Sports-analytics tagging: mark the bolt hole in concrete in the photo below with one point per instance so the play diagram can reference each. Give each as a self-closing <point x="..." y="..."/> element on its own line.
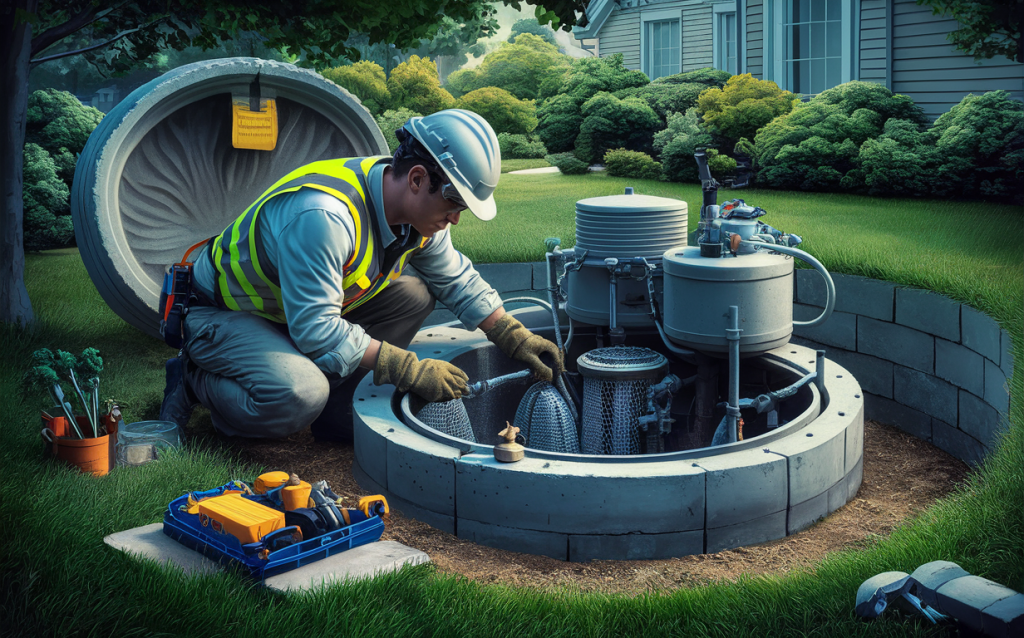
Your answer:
<point x="842" y="414"/>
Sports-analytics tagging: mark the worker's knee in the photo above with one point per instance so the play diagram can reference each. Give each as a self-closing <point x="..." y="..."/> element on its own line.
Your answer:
<point x="297" y="405"/>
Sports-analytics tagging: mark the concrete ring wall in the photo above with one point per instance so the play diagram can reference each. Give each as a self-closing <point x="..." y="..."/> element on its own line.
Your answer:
<point x="581" y="510"/>
<point x="931" y="366"/>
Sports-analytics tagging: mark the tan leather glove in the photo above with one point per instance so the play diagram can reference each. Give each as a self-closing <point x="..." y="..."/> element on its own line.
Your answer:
<point x="520" y="344"/>
<point x="432" y="379"/>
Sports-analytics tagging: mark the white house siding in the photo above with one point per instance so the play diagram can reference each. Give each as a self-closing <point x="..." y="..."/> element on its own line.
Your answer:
<point x="874" y="41"/>
<point x="930" y="70"/>
<point x="755" y="38"/>
<point x="621" y="34"/>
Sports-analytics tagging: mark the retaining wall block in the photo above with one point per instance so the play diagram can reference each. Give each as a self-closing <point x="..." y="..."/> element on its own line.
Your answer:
<point x="1006" y="357"/>
<point x="979" y="419"/>
<point x="997" y="392"/>
<point x="873" y="374"/>
<point x="838" y="494"/>
<point x="635" y="546"/>
<point x="540" y="275"/>
<point x="1004" y="619"/>
<point x="979" y="332"/>
<point x="422" y="471"/>
<point x="964" y="598"/>
<point x="854" y="294"/>
<point x="744" y="485"/>
<point x="899" y="344"/>
<point x="526" y="541"/>
<point x="933" y="575"/>
<point x="803" y="515"/>
<point x="817" y="456"/>
<point x="579" y="498"/>
<point x="758" y="530"/>
<point x="957" y="443"/>
<point x="840" y="330"/>
<point x="928" y="312"/>
<point x="854" y="479"/>
<point x="960" y="366"/>
<point x="507" y="277"/>
<point x="925" y="393"/>
<point x="914" y="423"/>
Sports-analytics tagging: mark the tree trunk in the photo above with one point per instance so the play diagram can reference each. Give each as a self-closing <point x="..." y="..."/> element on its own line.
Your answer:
<point x="14" y="68"/>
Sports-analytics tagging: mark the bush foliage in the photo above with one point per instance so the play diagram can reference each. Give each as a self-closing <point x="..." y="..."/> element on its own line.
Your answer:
<point x="558" y="123"/>
<point x="520" y="147"/>
<point x="530" y="25"/>
<point x="620" y="162"/>
<point x="609" y="122"/>
<point x="366" y="81"/>
<point x="742" y="106"/>
<point x="677" y="143"/>
<point x="666" y="98"/>
<point x="529" y="69"/>
<point x="589" y="76"/>
<point x="47" y="214"/>
<point x="414" y="85"/>
<point x="390" y="121"/>
<point x="56" y="119"/>
<point x="502" y="110"/>
<point x="567" y="163"/>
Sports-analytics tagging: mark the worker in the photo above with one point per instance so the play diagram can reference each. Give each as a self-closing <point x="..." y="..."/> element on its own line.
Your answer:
<point x="304" y="294"/>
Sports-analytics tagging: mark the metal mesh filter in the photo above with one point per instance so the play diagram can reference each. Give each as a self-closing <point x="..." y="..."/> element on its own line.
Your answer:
<point x="546" y="421"/>
<point x="615" y="383"/>
<point x="448" y="417"/>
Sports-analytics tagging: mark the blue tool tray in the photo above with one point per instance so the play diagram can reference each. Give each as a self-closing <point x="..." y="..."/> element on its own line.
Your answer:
<point x="226" y="549"/>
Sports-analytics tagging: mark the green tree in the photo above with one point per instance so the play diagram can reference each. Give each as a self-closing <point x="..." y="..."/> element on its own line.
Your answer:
<point x="743" y="106"/>
<point x="122" y="33"/>
<point x="531" y="26"/>
<point x="414" y="85"/>
<point x="366" y="81"/>
<point x="46" y="196"/>
<point x="502" y="110"/>
<point x="987" y="28"/>
<point x="61" y="125"/>
<point x="461" y="82"/>
<point x="521" y="68"/>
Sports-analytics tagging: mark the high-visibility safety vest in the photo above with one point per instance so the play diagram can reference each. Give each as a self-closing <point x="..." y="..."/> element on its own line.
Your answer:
<point x="246" y="280"/>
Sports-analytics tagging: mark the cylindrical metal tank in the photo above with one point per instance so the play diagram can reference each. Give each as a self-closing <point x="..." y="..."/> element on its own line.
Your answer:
<point x="160" y="173"/>
<point x="623" y="227"/>
<point x="699" y="290"/>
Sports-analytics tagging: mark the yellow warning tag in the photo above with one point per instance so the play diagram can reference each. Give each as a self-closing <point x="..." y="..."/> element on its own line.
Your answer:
<point x="251" y="129"/>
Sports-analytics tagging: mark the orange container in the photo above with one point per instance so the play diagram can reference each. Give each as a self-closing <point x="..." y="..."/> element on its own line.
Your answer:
<point x="268" y="481"/>
<point x="296" y="496"/>
<point x="246" y="520"/>
<point x="93" y="455"/>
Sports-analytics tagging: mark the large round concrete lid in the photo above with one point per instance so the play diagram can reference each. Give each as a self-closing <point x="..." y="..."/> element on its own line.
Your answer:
<point x="160" y="174"/>
<point x="629" y="203"/>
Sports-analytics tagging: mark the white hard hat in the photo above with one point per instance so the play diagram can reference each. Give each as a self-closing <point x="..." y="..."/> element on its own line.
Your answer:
<point x="465" y="147"/>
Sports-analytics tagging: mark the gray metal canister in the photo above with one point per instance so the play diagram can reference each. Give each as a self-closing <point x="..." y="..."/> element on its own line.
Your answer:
<point x="623" y="227"/>
<point x="699" y="290"/>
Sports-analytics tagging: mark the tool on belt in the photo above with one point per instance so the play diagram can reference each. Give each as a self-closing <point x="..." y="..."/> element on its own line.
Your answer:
<point x="175" y="297"/>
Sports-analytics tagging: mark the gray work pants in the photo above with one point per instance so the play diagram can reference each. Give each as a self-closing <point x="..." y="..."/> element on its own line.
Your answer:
<point x="256" y="383"/>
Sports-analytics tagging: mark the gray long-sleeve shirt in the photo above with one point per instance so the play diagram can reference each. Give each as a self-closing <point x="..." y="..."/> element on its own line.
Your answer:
<point x="309" y="235"/>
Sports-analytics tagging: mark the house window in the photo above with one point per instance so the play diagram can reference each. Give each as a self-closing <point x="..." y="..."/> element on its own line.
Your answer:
<point x="814" y="44"/>
<point x="661" y="43"/>
<point x="724" y="37"/>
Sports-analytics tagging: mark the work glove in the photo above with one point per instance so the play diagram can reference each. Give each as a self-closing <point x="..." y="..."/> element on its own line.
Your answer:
<point x="520" y="344"/>
<point x="432" y="379"/>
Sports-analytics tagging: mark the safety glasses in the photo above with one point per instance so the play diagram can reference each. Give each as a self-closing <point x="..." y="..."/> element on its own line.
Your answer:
<point x="449" y="192"/>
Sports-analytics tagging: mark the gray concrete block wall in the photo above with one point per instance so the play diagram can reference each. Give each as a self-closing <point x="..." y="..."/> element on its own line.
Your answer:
<point x="933" y="367"/>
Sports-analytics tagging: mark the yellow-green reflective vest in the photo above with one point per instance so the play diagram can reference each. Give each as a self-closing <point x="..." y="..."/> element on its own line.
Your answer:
<point x="246" y="280"/>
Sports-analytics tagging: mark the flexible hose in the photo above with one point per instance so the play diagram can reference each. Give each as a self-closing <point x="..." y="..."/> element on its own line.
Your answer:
<point x="830" y="287"/>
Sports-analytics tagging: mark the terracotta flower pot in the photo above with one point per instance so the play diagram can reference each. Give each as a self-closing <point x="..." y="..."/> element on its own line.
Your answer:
<point x="94" y="455"/>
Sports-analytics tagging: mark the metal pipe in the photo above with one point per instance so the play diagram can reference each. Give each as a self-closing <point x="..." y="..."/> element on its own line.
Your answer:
<point x="553" y="256"/>
<point x="733" y="335"/>
<point x="613" y="294"/>
<point x="819" y="375"/>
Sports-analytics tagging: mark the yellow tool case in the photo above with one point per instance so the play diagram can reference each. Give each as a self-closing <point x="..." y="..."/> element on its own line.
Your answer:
<point x="246" y="520"/>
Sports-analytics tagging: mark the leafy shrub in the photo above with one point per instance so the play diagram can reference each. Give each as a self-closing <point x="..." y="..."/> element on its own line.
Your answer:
<point x="981" y="143"/>
<point x="520" y="147"/>
<point x="366" y="81"/>
<point x="530" y="25"/>
<point x="589" y="76"/>
<point x="666" y="98"/>
<point x="522" y="68"/>
<point x="47" y="214"/>
<point x="558" y="123"/>
<point x="390" y="121"/>
<point x="622" y="163"/>
<point x="743" y="106"/>
<point x="502" y="110"/>
<point x="414" y="85"/>
<point x="609" y="122"/>
<point x="719" y="164"/>
<point x="902" y="161"/>
<point x="567" y="163"/>
<point x="815" y="146"/>
<point x="56" y="119"/>
<point x="677" y="144"/>
<point x="707" y="76"/>
<point x="461" y="82"/>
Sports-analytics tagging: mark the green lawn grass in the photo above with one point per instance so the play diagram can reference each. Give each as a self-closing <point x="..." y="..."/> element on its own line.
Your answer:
<point x="522" y="164"/>
<point x="57" y="577"/>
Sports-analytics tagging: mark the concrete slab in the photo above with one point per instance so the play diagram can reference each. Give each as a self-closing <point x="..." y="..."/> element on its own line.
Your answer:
<point x="150" y="542"/>
<point x="839" y="331"/>
<point x="359" y="563"/>
<point x="964" y="598"/>
<point x="1004" y="619"/>
<point x="854" y="479"/>
<point x="925" y="393"/>
<point x="410" y="510"/>
<point x="899" y="344"/>
<point x="928" y="312"/>
<point x="979" y="332"/>
<point x="907" y="419"/>
<point x="371" y="450"/>
<point x="803" y="515"/>
<point x="548" y="544"/>
<point x="365" y="561"/>
<point x="744" y="485"/>
<point x="635" y="546"/>
<point x="759" y="530"/>
<point x="997" y="392"/>
<point x="838" y="494"/>
<point x="933" y="575"/>
<point x="817" y="460"/>
<point x="421" y="471"/>
<point x="960" y="366"/>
